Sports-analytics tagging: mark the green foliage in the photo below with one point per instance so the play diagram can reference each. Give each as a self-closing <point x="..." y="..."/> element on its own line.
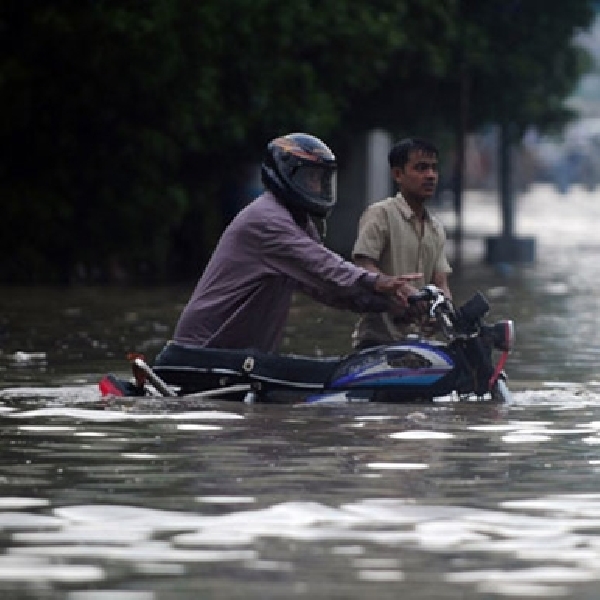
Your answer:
<point x="514" y="60"/>
<point x="125" y="121"/>
<point x="526" y="64"/>
<point x="92" y="177"/>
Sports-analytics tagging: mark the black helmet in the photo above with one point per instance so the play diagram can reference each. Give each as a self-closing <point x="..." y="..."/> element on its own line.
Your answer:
<point x="300" y="170"/>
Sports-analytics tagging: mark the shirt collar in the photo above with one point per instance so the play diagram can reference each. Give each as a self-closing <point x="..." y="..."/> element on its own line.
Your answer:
<point x="407" y="212"/>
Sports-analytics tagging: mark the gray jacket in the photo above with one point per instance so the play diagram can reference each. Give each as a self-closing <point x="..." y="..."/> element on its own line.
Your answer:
<point x="243" y="298"/>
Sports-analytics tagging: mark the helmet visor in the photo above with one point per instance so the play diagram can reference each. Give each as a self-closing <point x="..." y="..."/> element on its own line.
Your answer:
<point x="316" y="181"/>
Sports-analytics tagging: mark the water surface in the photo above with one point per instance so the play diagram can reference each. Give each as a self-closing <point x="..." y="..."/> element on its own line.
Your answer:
<point x="152" y="499"/>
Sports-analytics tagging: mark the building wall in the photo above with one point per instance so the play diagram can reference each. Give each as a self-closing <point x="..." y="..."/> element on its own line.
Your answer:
<point x="365" y="178"/>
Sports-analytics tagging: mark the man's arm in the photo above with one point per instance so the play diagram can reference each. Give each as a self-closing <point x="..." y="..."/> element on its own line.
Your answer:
<point x="407" y="289"/>
<point x="366" y="263"/>
<point x="374" y="292"/>
<point x="440" y="279"/>
<point x="289" y="250"/>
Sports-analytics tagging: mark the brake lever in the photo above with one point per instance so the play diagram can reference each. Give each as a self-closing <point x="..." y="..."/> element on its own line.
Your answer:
<point x="434" y="305"/>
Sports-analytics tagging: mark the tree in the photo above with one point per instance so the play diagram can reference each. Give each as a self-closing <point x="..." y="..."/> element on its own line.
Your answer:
<point x="126" y="120"/>
<point x="121" y="117"/>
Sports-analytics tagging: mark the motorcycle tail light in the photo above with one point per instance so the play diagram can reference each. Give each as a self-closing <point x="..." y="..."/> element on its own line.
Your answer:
<point x="503" y="335"/>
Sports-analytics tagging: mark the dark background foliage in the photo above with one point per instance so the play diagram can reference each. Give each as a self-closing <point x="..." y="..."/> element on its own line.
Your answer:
<point x="127" y="124"/>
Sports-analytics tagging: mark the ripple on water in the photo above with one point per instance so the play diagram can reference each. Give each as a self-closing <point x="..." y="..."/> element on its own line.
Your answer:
<point x="559" y="531"/>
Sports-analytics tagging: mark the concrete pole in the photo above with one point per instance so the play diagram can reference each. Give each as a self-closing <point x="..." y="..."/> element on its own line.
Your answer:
<point x="507" y="249"/>
<point x="507" y="204"/>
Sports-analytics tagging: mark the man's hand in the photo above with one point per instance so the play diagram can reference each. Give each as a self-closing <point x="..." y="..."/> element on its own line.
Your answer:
<point x="399" y="287"/>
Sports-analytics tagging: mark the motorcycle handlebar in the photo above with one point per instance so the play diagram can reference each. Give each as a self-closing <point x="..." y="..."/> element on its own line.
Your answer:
<point x="436" y="299"/>
<point x="465" y="319"/>
<point x="428" y="293"/>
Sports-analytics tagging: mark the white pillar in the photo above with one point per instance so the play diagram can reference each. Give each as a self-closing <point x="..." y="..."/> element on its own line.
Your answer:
<point x="378" y="178"/>
<point x="364" y="179"/>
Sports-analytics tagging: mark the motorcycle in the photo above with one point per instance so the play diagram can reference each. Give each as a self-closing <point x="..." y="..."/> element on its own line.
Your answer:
<point x="411" y="370"/>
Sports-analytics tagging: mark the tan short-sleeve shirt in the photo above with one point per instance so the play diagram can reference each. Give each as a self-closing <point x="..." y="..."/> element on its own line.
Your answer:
<point x="390" y="236"/>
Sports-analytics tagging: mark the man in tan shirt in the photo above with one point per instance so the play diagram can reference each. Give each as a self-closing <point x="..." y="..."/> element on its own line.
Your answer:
<point x="399" y="235"/>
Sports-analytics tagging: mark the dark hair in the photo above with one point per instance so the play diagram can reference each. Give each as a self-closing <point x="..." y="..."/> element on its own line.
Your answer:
<point x="400" y="153"/>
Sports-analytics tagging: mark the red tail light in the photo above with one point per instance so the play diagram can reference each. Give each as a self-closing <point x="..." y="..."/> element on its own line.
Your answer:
<point x="109" y="386"/>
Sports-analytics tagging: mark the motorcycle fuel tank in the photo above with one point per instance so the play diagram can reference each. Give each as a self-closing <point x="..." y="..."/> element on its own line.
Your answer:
<point x="411" y="363"/>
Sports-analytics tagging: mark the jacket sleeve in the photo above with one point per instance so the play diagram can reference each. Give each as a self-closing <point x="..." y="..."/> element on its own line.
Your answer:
<point x="289" y="250"/>
<point x="360" y="297"/>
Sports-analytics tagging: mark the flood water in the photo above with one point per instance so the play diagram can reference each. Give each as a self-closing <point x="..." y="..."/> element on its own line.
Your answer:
<point x="151" y="499"/>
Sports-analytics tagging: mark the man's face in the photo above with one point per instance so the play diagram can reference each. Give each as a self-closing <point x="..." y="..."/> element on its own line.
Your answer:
<point x="314" y="176"/>
<point x="418" y="178"/>
<point x="309" y="178"/>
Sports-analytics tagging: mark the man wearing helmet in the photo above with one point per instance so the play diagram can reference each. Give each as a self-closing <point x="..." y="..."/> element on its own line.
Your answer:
<point x="272" y="249"/>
